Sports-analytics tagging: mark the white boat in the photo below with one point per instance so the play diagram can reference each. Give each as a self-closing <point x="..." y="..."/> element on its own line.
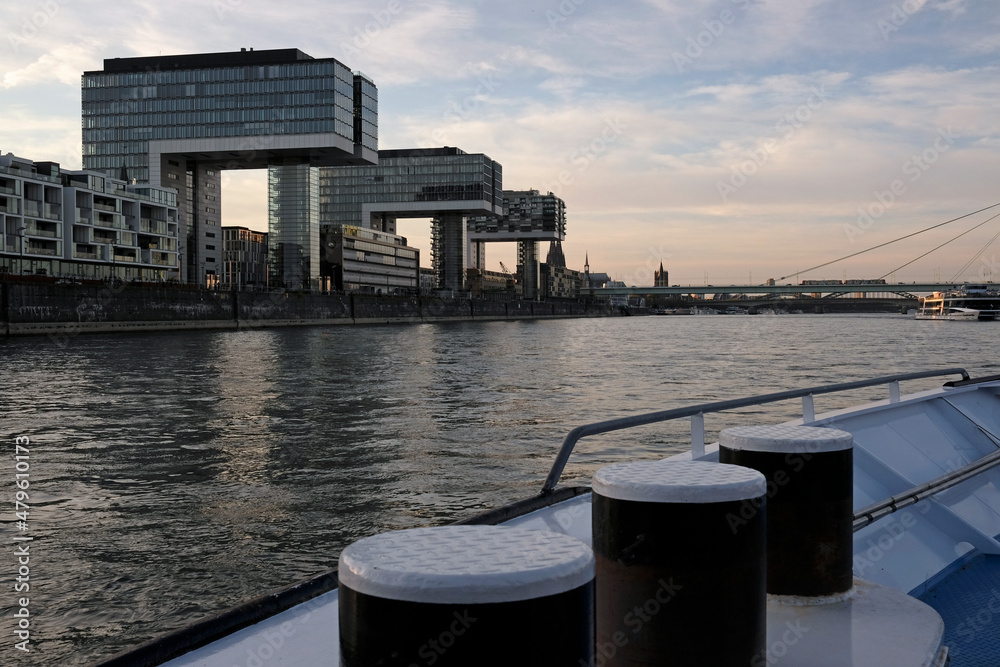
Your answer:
<point x="971" y="302"/>
<point x="926" y="499"/>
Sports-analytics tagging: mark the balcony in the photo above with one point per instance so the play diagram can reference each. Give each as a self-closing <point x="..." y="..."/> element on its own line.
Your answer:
<point x="152" y="226"/>
<point x="51" y="252"/>
<point x="105" y="207"/>
<point x="84" y="255"/>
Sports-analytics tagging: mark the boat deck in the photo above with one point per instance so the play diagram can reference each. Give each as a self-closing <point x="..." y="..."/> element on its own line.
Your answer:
<point x="940" y="550"/>
<point x="973" y="637"/>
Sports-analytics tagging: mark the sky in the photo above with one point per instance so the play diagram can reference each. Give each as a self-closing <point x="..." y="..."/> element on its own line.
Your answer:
<point x="731" y="140"/>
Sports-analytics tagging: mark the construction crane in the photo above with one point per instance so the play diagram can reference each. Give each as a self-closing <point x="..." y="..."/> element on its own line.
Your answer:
<point x="510" y="276"/>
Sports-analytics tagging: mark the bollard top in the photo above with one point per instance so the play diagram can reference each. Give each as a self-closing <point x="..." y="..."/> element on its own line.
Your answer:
<point x="786" y="439"/>
<point x="678" y="482"/>
<point x="466" y="564"/>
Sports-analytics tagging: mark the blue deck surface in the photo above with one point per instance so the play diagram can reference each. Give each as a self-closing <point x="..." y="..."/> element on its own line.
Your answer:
<point x="969" y="602"/>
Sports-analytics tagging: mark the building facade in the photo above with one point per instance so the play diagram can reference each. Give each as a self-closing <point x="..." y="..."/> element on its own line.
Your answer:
<point x="445" y="184"/>
<point x="179" y="121"/>
<point x="83" y="224"/>
<point x="374" y="262"/>
<point x="244" y="258"/>
<point x="558" y="282"/>
<point x="528" y="217"/>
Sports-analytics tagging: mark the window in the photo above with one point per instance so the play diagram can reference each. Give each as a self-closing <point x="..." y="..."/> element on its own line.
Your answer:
<point x="210" y="235"/>
<point x="209" y="172"/>
<point x="209" y="259"/>
<point x="172" y="176"/>
<point x="209" y="209"/>
<point x="210" y="197"/>
<point x="210" y="247"/>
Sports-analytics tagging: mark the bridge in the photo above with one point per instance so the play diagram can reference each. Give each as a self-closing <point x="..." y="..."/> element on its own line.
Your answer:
<point x="824" y="290"/>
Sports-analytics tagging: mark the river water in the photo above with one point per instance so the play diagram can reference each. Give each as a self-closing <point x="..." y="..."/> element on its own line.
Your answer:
<point x="173" y="475"/>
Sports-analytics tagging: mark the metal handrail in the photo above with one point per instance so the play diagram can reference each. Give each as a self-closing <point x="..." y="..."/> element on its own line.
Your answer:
<point x="869" y="515"/>
<point x="693" y="411"/>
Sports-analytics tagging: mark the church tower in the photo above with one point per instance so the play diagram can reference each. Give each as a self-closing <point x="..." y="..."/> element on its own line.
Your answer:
<point x="661" y="278"/>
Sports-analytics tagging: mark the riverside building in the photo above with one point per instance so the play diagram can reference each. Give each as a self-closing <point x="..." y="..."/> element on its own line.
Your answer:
<point x="445" y="184"/>
<point x="179" y="121"/>
<point x="244" y="258"/>
<point x="84" y="224"/>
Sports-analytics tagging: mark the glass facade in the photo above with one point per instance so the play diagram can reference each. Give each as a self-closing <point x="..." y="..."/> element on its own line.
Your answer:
<point x="293" y="226"/>
<point x="244" y="258"/>
<point x="136" y="100"/>
<point x="401" y="176"/>
<point x="178" y="121"/>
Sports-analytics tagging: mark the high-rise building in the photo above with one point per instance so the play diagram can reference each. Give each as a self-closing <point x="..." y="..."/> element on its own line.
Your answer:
<point x="445" y="184"/>
<point x="528" y="217"/>
<point x="179" y="121"/>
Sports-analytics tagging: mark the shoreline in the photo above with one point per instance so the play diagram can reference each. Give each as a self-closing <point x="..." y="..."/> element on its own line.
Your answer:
<point x="61" y="310"/>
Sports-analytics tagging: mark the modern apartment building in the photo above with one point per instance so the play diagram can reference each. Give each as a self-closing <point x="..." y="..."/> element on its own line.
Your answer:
<point x="179" y="121"/>
<point x="83" y="224"/>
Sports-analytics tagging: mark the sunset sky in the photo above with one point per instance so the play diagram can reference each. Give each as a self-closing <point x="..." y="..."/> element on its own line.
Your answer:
<point x="733" y="140"/>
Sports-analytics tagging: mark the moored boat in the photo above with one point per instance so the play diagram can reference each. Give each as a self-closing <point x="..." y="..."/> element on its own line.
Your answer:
<point x="972" y="302"/>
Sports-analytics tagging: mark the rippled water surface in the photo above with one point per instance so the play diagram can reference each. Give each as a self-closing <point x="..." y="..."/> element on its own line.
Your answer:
<point x="174" y="475"/>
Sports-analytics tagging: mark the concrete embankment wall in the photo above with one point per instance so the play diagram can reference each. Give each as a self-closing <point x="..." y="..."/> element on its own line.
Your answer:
<point x="66" y="309"/>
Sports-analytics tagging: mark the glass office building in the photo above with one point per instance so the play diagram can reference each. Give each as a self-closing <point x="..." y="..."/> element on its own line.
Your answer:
<point x="445" y="184"/>
<point x="179" y="121"/>
<point x="293" y="215"/>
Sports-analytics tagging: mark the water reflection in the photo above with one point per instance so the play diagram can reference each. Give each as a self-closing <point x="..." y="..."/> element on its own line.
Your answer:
<point x="180" y="473"/>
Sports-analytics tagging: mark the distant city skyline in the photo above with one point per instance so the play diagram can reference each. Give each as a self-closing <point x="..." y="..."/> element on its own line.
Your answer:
<point x="732" y="140"/>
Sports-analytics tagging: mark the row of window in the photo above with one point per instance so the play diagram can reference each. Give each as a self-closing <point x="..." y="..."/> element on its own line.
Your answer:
<point x="214" y="131"/>
<point x="327" y="87"/>
<point x="302" y="69"/>
<point x="279" y="112"/>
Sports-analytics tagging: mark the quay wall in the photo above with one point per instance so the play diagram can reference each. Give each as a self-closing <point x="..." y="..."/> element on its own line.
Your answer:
<point x="33" y="308"/>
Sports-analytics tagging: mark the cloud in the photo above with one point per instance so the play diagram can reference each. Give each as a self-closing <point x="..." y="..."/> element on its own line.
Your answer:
<point x="64" y="64"/>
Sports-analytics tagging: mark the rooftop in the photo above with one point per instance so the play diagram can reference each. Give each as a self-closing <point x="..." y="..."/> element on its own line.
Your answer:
<point x="203" y="60"/>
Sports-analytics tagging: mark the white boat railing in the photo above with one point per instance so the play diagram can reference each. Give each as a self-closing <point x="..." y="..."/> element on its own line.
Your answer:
<point x="697" y="414"/>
